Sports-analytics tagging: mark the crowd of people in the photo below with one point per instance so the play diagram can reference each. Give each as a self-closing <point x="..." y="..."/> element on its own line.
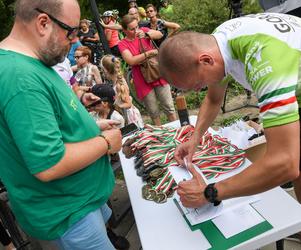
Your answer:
<point x="132" y="39"/>
<point x="61" y="108"/>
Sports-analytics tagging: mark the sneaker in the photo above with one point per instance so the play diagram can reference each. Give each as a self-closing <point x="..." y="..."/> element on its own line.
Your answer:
<point x="294" y="237"/>
<point x="287" y="186"/>
<point x="119" y="242"/>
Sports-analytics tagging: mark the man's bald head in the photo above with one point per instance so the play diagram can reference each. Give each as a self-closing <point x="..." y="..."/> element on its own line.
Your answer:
<point x="25" y="9"/>
<point x="179" y="53"/>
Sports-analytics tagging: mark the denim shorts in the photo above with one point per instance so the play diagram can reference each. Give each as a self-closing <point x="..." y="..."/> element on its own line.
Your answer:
<point x="89" y="233"/>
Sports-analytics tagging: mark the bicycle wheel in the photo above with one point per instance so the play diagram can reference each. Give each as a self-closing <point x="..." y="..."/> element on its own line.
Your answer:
<point x="130" y="82"/>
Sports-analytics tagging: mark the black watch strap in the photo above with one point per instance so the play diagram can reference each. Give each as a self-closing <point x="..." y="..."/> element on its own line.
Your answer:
<point x="211" y="194"/>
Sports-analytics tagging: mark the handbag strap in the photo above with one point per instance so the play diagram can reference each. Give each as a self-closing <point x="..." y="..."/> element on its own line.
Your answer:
<point x="142" y="49"/>
<point x="153" y="42"/>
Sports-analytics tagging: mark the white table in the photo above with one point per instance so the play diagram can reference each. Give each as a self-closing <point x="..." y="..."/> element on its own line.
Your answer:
<point x="162" y="227"/>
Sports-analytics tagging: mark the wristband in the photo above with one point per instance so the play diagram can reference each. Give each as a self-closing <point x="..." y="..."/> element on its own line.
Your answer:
<point x="107" y="141"/>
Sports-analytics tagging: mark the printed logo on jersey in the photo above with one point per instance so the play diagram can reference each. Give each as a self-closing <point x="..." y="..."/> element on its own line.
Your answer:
<point x="233" y="26"/>
<point x="256" y="67"/>
<point x="281" y="24"/>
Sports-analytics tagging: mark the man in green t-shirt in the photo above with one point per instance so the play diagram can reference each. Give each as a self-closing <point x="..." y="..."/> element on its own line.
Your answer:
<point x="54" y="160"/>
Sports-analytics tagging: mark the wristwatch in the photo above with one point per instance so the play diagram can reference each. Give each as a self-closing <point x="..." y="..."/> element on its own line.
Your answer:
<point x="210" y="194"/>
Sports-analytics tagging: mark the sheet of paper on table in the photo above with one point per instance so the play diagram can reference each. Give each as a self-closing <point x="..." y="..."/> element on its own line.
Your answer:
<point x="237" y="220"/>
<point x="238" y="134"/>
<point x="207" y="212"/>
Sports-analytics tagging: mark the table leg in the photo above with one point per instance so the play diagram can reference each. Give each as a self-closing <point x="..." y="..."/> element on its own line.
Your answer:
<point x="280" y="244"/>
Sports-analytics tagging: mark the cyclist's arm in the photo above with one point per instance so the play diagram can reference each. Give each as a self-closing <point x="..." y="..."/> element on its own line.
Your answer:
<point x="210" y="108"/>
<point x="111" y="26"/>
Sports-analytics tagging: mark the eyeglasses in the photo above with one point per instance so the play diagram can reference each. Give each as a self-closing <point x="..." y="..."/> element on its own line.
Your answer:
<point x="133" y="29"/>
<point x="72" y="31"/>
<point x="77" y="57"/>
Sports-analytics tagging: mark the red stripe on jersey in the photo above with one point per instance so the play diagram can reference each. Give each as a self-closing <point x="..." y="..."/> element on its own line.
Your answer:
<point x="278" y="104"/>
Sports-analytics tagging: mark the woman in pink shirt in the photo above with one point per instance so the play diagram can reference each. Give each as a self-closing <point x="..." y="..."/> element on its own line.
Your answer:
<point x="149" y="93"/>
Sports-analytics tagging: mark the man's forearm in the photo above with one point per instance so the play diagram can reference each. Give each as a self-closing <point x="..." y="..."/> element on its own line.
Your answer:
<point x="77" y="156"/>
<point x="207" y="113"/>
<point x="280" y="164"/>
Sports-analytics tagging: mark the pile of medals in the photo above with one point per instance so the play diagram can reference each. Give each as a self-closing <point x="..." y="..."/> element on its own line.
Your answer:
<point x="154" y="147"/>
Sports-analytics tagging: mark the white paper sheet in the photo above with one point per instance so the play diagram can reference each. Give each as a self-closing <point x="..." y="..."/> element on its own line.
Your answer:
<point x="237" y="220"/>
<point x="209" y="211"/>
<point x="238" y="133"/>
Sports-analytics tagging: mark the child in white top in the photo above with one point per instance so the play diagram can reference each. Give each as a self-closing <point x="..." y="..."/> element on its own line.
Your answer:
<point x="111" y="67"/>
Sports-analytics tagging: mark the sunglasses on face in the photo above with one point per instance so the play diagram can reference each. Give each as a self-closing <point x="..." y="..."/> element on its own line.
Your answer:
<point x="72" y="31"/>
<point x="77" y="57"/>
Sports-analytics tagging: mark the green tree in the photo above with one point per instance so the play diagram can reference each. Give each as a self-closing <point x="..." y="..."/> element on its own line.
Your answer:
<point x="197" y="15"/>
<point x="205" y="15"/>
<point x="6" y="17"/>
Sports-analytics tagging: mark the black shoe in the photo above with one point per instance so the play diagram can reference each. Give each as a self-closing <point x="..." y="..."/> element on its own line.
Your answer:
<point x="287" y="186"/>
<point x="119" y="242"/>
<point x="293" y="237"/>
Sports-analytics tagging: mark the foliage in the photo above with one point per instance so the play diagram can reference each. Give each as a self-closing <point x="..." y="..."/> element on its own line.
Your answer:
<point x="195" y="99"/>
<point x="6" y="17"/>
<point x="230" y="120"/>
<point x="205" y="15"/>
<point x="197" y="15"/>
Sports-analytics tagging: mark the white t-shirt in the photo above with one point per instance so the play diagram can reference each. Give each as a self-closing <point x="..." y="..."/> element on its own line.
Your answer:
<point x="64" y="70"/>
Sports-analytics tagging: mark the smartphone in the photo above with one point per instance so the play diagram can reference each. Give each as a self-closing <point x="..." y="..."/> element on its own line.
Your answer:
<point x="128" y="129"/>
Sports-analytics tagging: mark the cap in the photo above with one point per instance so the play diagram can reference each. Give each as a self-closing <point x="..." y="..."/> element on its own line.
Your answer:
<point x="131" y="1"/>
<point x="108" y="13"/>
<point x="104" y="91"/>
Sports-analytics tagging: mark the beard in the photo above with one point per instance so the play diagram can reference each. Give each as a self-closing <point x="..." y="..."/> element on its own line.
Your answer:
<point x="53" y="53"/>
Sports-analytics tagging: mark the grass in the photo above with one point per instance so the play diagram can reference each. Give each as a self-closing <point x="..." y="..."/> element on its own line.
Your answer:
<point x="230" y="120"/>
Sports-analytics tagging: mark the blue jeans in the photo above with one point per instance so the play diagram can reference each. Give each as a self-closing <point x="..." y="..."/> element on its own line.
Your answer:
<point x="89" y="233"/>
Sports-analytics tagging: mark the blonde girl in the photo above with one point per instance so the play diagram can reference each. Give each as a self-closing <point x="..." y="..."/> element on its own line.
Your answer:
<point x="111" y="66"/>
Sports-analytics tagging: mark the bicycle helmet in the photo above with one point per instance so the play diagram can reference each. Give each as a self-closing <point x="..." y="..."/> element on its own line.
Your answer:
<point x="108" y="13"/>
